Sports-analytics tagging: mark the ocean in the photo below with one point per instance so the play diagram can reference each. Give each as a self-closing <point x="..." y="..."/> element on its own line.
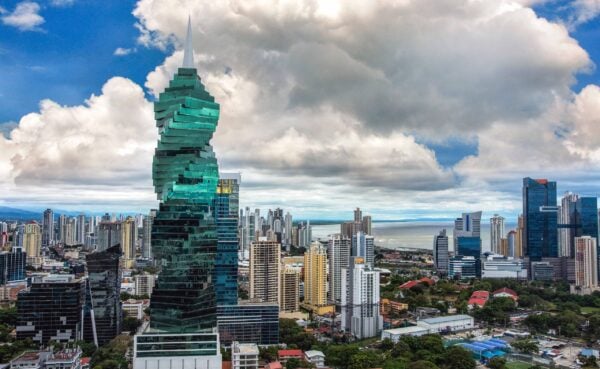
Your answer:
<point x="414" y="235"/>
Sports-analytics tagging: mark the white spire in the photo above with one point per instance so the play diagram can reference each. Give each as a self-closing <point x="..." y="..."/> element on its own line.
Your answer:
<point x="188" y="52"/>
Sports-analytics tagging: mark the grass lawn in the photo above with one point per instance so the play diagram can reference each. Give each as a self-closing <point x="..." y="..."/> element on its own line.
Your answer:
<point x="590" y="310"/>
<point x="517" y="365"/>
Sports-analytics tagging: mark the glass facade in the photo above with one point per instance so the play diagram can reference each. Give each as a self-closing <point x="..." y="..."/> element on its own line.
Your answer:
<point x="249" y="323"/>
<point x="103" y="296"/>
<point x="470" y="246"/>
<point x="50" y="311"/>
<point x="586" y="220"/>
<point x="226" y="264"/>
<point x="184" y="232"/>
<point x="540" y="237"/>
<point x="183" y="344"/>
<point x="463" y="267"/>
<point x="12" y="266"/>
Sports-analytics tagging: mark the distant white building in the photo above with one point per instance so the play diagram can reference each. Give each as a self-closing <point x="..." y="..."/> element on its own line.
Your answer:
<point x="244" y="355"/>
<point x="360" y="300"/>
<point x="499" y="266"/>
<point x="396" y="333"/>
<point x="449" y="323"/>
<point x="317" y="358"/>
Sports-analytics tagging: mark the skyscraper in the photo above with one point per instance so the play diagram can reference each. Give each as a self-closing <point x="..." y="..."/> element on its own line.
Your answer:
<point x="104" y="296"/>
<point x="367" y="224"/>
<point x="109" y="234"/>
<point x="147" y="234"/>
<point x="48" y="228"/>
<point x="287" y="238"/>
<point x="183" y="306"/>
<point x="32" y="241"/>
<point x="315" y="276"/>
<point x="357" y="215"/>
<point x="540" y="233"/>
<point x="360" y="300"/>
<point x="265" y="270"/>
<point x="290" y="294"/>
<point x="467" y="237"/>
<point x="566" y="224"/>
<point x="226" y="264"/>
<point x="586" y="262"/>
<point x="440" y="253"/>
<point x="80" y="230"/>
<point x="496" y="233"/>
<point x="338" y="249"/>
<point x="364" y="245"/>
<point x="128" y="242"/>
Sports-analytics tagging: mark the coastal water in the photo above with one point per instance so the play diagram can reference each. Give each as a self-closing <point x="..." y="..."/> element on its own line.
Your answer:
<point x="412" y="235"/>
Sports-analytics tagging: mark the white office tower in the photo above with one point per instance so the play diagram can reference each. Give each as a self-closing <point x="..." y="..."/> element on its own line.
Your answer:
<point x="566" y="234"/>
<point x="469" y="225"/>
<point x="496" y="233"/>
<point x="500" y="266"/>
<point x="440" y="253"/>
<point x="586" y="263"/>
<point x="360" y="300"/>
<point x="80" y="229"/>
<point x="338" y="254"/>
<point x="364" y="245"/>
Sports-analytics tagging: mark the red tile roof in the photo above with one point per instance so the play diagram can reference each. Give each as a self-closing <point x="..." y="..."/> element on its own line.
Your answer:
<point x="479" y="298"/>
<point x="274" y="365"/>
<point x="286" y="353"/>
<point x="85" y="360"/>
<point x="226" y="365"/>
<point x="408" y="285"/>
<point x="507" y="291"/>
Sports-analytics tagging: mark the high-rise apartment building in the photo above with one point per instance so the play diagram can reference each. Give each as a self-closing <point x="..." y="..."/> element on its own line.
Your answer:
<point x="287" y="234"/>
<point x="32" y="239"/>
<point x="80" y="229"/>
<point x="62" y="227"/>
<point x="104" y="296"/>
<point x="315" y="276"/>
<point x="12" y="265"/>
<point x="48" y="237"/>
<point x="129" y="237"/>
<point x="360" y="300"/>
<point x="364" y="245"/>
<point x="290" y="291"/>
<point x="357" y="215"/>
<point x="338" y="250"/>
<point x="440" y="253"/>
<point x="265" y="270"/>
<point x="367" y="225"/>
<point x="540" y="233"/>
<point x="109" y="235"/>
<point x="147" y="234"/>
<point x="566" y="225"/>
<point x="586" y="262"/>
<point x="144" y="283"/>
<point x="226" y="262"/>
<point x="496" y="233"/>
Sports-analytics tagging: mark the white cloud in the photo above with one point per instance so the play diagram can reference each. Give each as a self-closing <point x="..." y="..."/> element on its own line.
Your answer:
<point x="25" y="17"/>
<point x="100" y="151"/>
<point x="326" y="107"/>
<point x="62" y="2"/>
<point x="584" y="11"/>
<point x="120" y="51"/>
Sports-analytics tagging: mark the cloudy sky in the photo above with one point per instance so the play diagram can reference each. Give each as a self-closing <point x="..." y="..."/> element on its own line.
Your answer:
<point x="406" y="108"/>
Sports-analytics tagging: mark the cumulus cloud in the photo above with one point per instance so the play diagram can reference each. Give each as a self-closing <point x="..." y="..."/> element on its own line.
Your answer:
<point x="120" y="51"/>
<point x="106" y="144"/>
<point x="326" y="105"/>
<point x="25" y="16"/>
<point x="584" y="11"/>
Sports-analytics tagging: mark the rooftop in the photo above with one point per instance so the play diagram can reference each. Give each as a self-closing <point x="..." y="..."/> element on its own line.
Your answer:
<point x="246" y="348"/>
<point x="289" y="353"/>
<point x="313" y="353"/>
<point x="406" y="330"/>
<point x="447" y="318"/>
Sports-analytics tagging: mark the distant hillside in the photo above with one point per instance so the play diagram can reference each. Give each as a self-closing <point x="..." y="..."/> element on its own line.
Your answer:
<point x="7" y="213"/>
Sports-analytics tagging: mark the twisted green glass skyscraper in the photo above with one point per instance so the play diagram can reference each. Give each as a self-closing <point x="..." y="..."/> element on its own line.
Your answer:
<point x="185" y="176"/>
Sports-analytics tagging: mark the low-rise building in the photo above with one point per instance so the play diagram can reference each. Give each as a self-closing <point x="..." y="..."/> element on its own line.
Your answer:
<point x="30" y="360"/>
<point x="316" y="358"/>
<point x="505" y="292"/>
<point x="285" y="355"/>
<point x="449" y="323"/>
<point x="64" y="359"/>
<point x="479" y="299"/>
<point x="396" y="333"/>
<point x="499" y="266"/>
<point x="244" y="355"/>
<point x="135" y="308"/>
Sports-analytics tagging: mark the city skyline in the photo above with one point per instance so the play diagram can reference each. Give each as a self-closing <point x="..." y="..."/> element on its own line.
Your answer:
<point x="397" y="149"/>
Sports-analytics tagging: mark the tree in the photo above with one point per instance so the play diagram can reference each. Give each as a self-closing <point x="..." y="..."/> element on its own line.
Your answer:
<point x="386" y="345"/>
<point x="365" y="359"/>
<point x="422" y="364"/>
<point x="525" y="346"/>
<point x="339" y="356"/>
<point x="131" y="324"/>
<point x="8" y="316"/>
<point x="497" y="363"/>
<point x="457" y="357"/>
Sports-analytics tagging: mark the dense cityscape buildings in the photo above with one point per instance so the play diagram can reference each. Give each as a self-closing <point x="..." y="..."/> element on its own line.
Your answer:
<point x="203" y="282"/>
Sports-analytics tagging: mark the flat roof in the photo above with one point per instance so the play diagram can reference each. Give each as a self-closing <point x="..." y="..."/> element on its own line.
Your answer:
<point x="246" y="348"/>
<point x="405" y="330"/>
<point x="448" y="318"/>
<point x="311" y="353"/>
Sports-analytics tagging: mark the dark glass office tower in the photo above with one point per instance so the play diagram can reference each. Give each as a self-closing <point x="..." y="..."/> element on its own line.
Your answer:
<point x="51" y="310"/>
<point x="104" y="292"/>
<point x="226" y="263"/>
<point x="540" y="235"/>
<point x="184" y="232"/>
<point x="586" y="220"/>
<point x="470" y="246"/>
<point x="12" y="265"/>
